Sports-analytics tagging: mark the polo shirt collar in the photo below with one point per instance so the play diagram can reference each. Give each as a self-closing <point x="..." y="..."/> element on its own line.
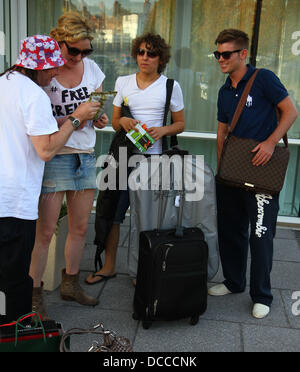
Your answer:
<point x="246" y="77"/>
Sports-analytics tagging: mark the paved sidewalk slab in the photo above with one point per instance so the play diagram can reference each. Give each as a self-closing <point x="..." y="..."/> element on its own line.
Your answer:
<point x="270" y="339"/>
<point x="227" y="325"/>
<point x="82" y="317"/>
<point x="286" y="250"/>
<point x="180" y="336"/>
<point x="290" y="307"/>
<point x="238" y="308"/>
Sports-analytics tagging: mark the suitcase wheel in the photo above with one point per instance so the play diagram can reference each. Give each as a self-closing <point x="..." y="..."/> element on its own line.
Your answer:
<point x="146" y="324"/>
<point x="135" y="316"/>
<point x="194" y="320"/>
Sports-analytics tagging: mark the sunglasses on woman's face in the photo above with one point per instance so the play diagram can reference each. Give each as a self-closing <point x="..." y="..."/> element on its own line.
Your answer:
<point x="150" y="53"/>
<point x="225" y="55"/>
<point x="75" y="51"/>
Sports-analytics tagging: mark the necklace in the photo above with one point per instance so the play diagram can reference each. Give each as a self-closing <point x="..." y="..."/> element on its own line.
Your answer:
<point x="143" y="84"/>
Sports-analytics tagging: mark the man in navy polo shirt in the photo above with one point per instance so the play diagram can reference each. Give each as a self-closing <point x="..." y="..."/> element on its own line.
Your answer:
<point x="237" y="207"/>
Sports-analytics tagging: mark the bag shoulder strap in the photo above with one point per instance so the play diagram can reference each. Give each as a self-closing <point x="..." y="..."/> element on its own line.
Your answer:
<point x="169" y="85"/>
<point x="174" y="142"/>
<point x="242" y="103"/>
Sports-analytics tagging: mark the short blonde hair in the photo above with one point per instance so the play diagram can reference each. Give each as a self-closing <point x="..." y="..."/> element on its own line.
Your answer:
<point x="72" y="27"/>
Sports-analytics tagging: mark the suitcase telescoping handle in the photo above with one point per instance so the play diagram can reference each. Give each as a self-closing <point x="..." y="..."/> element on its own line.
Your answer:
<point x="181" y="194"/>
<point x="179" y="227"/>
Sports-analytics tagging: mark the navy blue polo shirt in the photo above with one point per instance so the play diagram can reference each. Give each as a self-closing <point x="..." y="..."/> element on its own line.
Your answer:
<point x="258" y="119"/>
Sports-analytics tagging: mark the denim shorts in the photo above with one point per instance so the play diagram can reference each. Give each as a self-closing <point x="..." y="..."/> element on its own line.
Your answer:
<point x="72" y="172"/>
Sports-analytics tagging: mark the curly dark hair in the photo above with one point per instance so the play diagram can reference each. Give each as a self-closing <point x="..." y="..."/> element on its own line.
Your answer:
<point x="154" y="43"/>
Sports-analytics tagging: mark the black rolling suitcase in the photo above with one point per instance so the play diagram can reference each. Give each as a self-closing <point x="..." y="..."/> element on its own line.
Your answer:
<point x="172" y="273"/>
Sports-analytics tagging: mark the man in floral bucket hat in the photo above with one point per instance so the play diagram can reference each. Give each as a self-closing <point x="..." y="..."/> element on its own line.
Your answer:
<point x="40" y="53"/>
<point x="29" y="137"/>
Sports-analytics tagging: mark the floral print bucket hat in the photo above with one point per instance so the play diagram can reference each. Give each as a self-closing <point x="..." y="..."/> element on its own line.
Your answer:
<point x="40" y="52"/>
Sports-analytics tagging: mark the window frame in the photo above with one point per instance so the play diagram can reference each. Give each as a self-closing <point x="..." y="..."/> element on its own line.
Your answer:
<point x="18" y="30"/>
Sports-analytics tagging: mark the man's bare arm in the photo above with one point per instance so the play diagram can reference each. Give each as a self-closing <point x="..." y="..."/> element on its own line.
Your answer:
<point x="48" y="145"/>
<point x="266" y="148"/>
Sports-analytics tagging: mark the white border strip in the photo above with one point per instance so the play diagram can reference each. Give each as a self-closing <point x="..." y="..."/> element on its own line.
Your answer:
<point x="198" y="135"/>
<point x="289" y="222"/>
<point x="282" y="221"/>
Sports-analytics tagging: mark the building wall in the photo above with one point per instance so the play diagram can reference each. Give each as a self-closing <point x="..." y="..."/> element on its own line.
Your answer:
<point x="190" y="26"/>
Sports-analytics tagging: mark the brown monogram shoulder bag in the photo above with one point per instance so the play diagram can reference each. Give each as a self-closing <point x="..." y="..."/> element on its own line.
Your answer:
<point x="236" y="167"/>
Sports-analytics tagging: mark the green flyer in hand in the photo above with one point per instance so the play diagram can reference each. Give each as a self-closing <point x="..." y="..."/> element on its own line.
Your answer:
<point x="105" y="98"/>
<point x="141" y="138"/>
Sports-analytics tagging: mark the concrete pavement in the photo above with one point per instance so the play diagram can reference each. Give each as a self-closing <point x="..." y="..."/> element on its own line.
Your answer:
<point x="227" y="325"/>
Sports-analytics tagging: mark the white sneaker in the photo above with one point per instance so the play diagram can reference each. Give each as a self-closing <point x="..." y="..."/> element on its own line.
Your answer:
<point x="260" y="311"/>
<point x="219" y="290"/>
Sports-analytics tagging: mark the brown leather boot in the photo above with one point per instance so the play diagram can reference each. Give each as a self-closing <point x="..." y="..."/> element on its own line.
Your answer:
<point x="38" y="302"/>
<point x="70" y="290"/>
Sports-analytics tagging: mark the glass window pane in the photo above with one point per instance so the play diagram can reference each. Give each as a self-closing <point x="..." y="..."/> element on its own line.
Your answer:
<point x="198" y="23"/>
<point x="43" y="15"/>
<point x="279" y="51"/>
<point x="191" y="27"/>
<point x="4" y="35"/>
<point x="279" y="47"/>
<point x="116" y="24"/>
